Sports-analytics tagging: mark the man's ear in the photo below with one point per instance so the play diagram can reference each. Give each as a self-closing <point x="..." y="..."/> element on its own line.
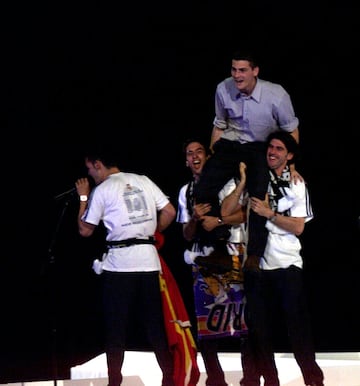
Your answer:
<point x="97" y="164"/>
<point x="187" y="163"/>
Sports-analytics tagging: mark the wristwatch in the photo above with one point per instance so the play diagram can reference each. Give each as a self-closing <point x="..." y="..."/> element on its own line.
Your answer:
<point x="83" y="197"/>
<point x="220" y="220"/>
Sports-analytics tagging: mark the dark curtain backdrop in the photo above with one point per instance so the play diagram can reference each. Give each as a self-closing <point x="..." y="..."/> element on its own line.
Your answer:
<point x="144" y="75"/>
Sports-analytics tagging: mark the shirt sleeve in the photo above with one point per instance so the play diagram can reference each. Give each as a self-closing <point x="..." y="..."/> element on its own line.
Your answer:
<point x="95" y="209"/>
<point x="183" y="215"/>
<point x="286" y="114"/>
<point x="220" y="120"/>
<point x="302" y="205"/>
<point x="159" y="196"/>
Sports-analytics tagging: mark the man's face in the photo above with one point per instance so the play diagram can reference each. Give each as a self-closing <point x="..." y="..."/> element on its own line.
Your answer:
<point x="94" y="171"/>
<point x="277" y="155"/>
<point x="244" y="75"/>
<point x="195" y="157"/>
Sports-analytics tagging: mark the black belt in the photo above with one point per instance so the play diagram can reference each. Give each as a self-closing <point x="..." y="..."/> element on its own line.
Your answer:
<point x="129" y="242"/>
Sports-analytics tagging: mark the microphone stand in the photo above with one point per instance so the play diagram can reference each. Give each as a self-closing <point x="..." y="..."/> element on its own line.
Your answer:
<point x="52" y="270"/>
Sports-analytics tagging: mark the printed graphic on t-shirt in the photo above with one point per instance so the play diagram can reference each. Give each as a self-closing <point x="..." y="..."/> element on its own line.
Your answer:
<point x="136" y="205"/>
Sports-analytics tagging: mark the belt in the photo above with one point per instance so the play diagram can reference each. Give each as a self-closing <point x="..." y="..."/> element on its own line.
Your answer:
<point x="129" y="242"/>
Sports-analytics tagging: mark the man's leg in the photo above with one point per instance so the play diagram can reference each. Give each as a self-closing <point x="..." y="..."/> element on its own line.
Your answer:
<point x="259" y="342"/>
<point x="299" y="325"/>
<point x="257" y="181"/>
<point x="218" y="170"/>
<point x="116" y="313"/>
<point x="214" y="371"/>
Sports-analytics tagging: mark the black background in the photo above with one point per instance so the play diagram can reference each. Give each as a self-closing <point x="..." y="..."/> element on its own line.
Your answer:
<point x="145" y="75"/>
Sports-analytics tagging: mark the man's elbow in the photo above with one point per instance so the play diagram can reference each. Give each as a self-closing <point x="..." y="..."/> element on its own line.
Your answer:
<point x="85" y="231"/>
<point x="170" y="212"/>
<point x="299" y="229"/>
<point x="173" y="213"/>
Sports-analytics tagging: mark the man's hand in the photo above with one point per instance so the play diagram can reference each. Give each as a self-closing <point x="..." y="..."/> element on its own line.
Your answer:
<point x="260" y="207"/>
<point x="199" y="210"/>
<point x="295" y="175"/>
<point x="82" y="186"/>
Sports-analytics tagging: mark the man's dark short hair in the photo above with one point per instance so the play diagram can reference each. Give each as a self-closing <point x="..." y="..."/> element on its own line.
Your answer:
<point x="246" y="55"/>
<point x="191" y="140"/>
<point x="106" y="152"/>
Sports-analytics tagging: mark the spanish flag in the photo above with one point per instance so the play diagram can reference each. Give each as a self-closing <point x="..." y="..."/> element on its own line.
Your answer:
<point x="177" y="324"/>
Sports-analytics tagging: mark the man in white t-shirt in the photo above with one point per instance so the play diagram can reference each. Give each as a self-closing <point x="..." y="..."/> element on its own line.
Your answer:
<point x="132" y="208"/>
<point x="218" y="292"/>
<point x="279" y="281"/>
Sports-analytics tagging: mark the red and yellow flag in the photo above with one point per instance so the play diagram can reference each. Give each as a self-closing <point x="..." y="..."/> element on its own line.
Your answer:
<point x="177" y="324"/>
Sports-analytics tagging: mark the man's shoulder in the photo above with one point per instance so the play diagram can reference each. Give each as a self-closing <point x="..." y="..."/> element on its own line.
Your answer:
<point x="298" y="189"/>
<point x="136" y="178"/>
<point x="226" y="83"/>
<point x="132" y="175"/>
<point x="298" y="185"/>
<point x="183" y="189"/>
<point x="271" y="87"/>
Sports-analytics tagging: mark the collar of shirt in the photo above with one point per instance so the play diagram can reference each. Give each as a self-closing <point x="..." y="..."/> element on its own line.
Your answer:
<point x="255" y="95"/>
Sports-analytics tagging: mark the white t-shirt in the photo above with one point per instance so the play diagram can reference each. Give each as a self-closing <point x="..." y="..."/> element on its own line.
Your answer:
<point x="283" y="248"/>
<point x="237" y="233"/>
<point x="127" y="203"/>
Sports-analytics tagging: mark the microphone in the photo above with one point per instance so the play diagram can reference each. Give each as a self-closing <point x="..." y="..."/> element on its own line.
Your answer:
<point x="67" y="193"/>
